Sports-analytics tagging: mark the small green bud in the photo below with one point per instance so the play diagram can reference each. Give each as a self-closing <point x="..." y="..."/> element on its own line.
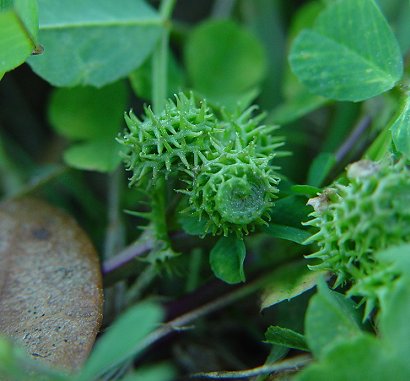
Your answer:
<point x="161" y="144"/>
<point x="233" y="193"/>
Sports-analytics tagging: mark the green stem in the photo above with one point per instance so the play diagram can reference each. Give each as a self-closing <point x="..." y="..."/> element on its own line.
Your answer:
<point x="166" y="8"/>
<point x="292" y="364"/>
<point x="383" y="143"/>
<point x="114" y="241"/>
<point x="141" y="283"/>
<point x="160" y="59"/>
<point x="380" y="146"/>
<point x="158" y="210"/>
<point x="159" y="93"/>
<point x="223" y="301"/>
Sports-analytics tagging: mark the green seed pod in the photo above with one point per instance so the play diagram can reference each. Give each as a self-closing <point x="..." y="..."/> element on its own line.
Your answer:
<point x="233" y="192"/>
<point x="248" y="128"/>
<point x="176" y="138"/>
<point x="224" y="161"/>
<point x="356" y="220"/>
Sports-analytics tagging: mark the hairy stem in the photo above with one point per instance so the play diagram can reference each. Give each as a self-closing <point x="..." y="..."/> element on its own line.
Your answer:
<point x="114" y="241"/>
<point x="114" y="238"/>
<point x="361" y="127"/>
<point x="136" y="249"/>
<point x="142" y="246"/>
<point x="143" y="281"/>
<point x="291" y="364"/>
<point x="182" y="321"/>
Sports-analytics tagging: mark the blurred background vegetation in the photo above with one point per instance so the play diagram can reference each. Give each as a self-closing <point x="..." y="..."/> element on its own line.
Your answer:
<point x="34" y="160"/>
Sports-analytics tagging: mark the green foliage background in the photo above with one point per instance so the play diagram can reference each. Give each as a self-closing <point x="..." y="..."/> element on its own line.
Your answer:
<point x="334" y="74"/>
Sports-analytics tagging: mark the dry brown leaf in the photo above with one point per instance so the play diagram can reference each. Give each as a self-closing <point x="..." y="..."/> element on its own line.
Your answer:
<point x="50" y="283"/>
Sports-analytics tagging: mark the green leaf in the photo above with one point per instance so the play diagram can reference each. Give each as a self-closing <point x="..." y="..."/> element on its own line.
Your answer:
<point x="356" y="359"/>
<point x="287" y="232"/>
<point x="344" y="116"/>
<point x="285" y="337"/>
<point x="264" y="20"/>
<point x="18" y="32"/>
<point x="397" y="13"/>
<point x="122" y="340"/>
<point x="160" y="372"/>
<point x="212" y="70"/>
<point x="307" y="190"/>
<point x="357" y="61"/>
<point x="192" y="225"/>
<point x="9" y="360"/>
<point x="298" y="100"/>
<point x="226" y="259"/>
<point x="87" y="37"/>
<point x="394" y="320"/>
<point x="395" y="307"/>
<point x="17" y="364"/>
<point x="231" y="101"/>
<point x="141" y="79"/>
<point x="320" y="168"/>
<point x="94" y="116"/>
<point x="303" y="19"/>
<point x="290" y="211"/>
<point x="397" y="257"/>
<point x="400" y="129"/>
<point x="380" y="146"/>
<point x="87" y="112"/>
<point x="330" y="317"/>
<point x="296" y="107"/>
<point x="101" y="155"/>
<point x="364" y="356"/>
<point x="287" y="282"/>
<point x="402" y="27"/>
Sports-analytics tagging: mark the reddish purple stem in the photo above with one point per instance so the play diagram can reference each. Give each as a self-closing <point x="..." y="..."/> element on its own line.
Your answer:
<point x="125" y="256"/>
